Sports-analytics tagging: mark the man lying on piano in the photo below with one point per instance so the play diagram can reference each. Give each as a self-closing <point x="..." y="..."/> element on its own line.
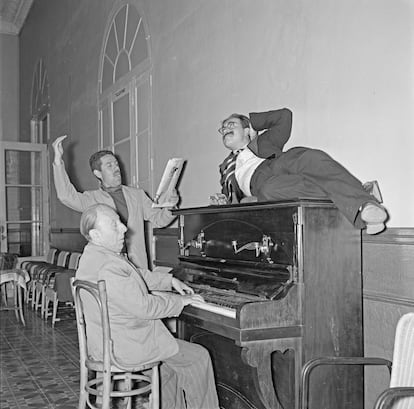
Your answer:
<point x="135" y="314"/>
<point x="258" y="169"/>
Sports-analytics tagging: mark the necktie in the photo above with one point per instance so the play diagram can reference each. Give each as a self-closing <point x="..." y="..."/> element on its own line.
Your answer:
<point x="229" y="177"/>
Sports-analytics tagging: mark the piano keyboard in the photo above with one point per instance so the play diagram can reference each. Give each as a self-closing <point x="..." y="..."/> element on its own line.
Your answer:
<point x="217" y="309"/>
<point x="219" y="301"/>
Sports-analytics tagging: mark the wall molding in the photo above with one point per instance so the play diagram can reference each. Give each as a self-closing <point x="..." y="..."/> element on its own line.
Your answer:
<point x="388" y="298"/>
<point x="61" y="230"/>
<point x="394" y="235"/>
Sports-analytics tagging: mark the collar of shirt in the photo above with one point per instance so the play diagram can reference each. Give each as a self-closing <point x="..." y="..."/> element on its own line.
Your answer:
<point x="237" y="151"/>
<point x="111" y="189"/>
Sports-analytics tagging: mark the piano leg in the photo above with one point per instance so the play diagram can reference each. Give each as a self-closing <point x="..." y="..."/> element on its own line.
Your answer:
<point x="275" y="364"/>
<point x="260" y="375"/>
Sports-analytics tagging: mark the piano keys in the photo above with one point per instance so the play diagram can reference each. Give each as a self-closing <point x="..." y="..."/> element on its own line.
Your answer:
<point x="282" y="285"/>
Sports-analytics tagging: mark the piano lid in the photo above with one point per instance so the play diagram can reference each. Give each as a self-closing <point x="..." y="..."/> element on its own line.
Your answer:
<point x="295" y="202"/>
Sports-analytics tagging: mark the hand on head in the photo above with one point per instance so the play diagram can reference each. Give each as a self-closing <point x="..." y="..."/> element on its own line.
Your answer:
<point x="252" y="132"/>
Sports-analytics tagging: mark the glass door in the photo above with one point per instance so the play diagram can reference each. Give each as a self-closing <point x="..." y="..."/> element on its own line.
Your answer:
<point x="24" y="198"/>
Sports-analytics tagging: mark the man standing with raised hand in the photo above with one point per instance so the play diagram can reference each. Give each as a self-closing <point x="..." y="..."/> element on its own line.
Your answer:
<point x="132" y="204"/>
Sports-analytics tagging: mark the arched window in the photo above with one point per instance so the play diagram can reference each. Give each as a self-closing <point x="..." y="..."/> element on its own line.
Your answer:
<point x="125" y="94"/>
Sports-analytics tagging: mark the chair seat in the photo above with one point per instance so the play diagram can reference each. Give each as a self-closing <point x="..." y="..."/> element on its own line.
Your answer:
<point x="98" y="365"/>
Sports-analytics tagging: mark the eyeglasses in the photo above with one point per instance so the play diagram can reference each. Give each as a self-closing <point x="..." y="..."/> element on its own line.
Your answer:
<point x="227" y="125"/>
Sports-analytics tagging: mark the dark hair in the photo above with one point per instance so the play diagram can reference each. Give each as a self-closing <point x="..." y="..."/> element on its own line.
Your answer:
<point x="89" y="217"/>
<point x="245" y="121"/>
<point x="95" y="159"/>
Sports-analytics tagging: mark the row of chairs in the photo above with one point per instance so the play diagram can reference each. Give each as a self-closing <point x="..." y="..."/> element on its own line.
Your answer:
<point x="42" y="290"/>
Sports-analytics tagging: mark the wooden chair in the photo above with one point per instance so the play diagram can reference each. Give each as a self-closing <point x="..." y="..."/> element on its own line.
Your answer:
<point x="15" y="280"/>
<point x="43" y="276"/>
<point x="29" y="265"/>
<point x="108" y="369"/>
<point x="400" y="394"/>
<point x="51" y="291"/>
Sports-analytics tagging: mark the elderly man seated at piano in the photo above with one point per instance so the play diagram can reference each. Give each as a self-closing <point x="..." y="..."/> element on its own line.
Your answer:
<point x="139" y="335"/>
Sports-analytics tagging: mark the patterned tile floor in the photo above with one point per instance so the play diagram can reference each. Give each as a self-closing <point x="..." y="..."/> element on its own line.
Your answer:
<point x="39" y="365"/>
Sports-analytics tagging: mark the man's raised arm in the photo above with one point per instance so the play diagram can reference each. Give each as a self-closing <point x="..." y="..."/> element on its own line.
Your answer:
<point x="65" y="191"/>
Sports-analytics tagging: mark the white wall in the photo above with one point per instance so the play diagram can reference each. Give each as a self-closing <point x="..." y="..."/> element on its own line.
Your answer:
<point x="345" y="68"/>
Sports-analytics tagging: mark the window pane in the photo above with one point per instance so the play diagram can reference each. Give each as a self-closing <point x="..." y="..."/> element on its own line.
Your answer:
<point x="123" y="153"/>
<point x="22" y="168"/>
<point x="23" y="203"/>
<point x="139" y="51"/>
<point x="21" y="237"/>
<point x="143" y="158"/>
<point x="132" y="25"/>
<point x="120" y="20"/>
<point x="106" y="126"/>
<point x="122" y="65"/>
<point x="121" y="118"/>
<point x="143" y="106"/>
<point x="111" y="50"/>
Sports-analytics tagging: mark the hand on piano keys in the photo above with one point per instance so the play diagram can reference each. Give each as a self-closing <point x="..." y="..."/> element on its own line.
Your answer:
<point x="193" y="299"/>
<point x="180" y="287"/>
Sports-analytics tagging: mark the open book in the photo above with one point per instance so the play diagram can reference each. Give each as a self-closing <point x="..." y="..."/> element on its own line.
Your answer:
<point x="168" y="182"/>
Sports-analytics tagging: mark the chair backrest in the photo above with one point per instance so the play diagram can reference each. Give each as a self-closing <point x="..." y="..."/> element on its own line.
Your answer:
<point x="52" y="255"/>
<point x="74" y="260"/>
<point x="403" y="359"/>
<point x="62" y="259"/>
<point x="92" y="295"/>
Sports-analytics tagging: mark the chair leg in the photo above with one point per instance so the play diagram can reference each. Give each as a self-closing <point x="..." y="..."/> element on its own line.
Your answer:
<point x="37" y="298"/>
<point x="4" y="293"/>
<point x="20" y="303"/>
<point x="128" y="386"/>
<point x="155" y="388"/>
<point x="42" y="302"/>
<point x="83" y="395"/>
<point x="15" y="300"/>
<point x="27" y="297"/>
<point x="33" y="303"/>
<point x="46" y="306"/>
<point x="55" y="307"/>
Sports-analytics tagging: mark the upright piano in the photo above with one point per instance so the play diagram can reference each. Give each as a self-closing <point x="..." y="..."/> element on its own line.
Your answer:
<point x="282" y="285"/>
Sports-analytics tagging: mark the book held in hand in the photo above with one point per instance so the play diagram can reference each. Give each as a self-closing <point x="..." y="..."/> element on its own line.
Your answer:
<point x="168" y="182"/>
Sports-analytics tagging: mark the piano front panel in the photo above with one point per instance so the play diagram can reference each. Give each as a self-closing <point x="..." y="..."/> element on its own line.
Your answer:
<point x="221" y="229"/>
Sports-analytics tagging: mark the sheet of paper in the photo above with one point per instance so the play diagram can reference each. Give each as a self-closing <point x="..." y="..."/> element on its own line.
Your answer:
<point x="168" y="182"/>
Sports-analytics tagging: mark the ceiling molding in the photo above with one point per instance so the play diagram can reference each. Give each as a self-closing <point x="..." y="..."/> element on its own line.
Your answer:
<point x="13" y="14"/>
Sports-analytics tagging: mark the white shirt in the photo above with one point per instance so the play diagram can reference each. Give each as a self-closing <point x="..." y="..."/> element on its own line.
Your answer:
<point x="246" y="163"/>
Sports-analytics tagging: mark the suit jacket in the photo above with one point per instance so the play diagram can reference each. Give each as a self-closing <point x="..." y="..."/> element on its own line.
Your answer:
<point x="276" y="126"/>
<point x="138" y="204"/>
<point x="135" y="314"/>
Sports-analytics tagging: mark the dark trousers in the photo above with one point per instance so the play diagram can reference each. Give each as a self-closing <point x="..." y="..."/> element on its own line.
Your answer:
<point x="304" y="172"/>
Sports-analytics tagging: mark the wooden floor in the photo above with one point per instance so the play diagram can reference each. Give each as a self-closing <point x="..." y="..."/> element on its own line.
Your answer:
<point x="39" y="365"/>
